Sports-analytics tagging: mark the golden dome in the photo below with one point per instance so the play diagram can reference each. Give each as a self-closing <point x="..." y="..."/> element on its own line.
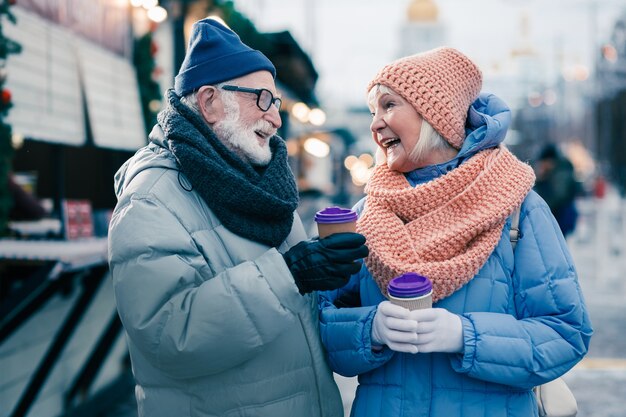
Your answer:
<point x="422" y="11"/>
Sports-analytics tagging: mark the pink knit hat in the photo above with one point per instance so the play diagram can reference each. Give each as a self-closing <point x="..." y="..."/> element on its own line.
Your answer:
<point x="440" y="84"/>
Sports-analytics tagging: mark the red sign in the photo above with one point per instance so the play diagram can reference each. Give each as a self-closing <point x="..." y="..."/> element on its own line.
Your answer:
<point x="77" y="219"/>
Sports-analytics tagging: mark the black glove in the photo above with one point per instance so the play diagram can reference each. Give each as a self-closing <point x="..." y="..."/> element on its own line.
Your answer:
<point x="326" y="264"/>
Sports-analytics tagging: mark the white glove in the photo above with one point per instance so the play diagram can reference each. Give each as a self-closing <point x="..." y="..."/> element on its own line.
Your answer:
<point x="393" y="327"/>
<point x="438" y="330"/>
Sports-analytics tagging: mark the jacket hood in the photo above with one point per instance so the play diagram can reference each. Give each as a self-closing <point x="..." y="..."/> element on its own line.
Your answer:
<point x="488" y="121"/>
<point x="155" y="155"/>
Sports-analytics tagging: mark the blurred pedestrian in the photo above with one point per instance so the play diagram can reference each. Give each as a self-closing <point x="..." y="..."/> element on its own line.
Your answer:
<point x="557" y="185"/>
<point x="25" y="206"/>
<point x="213" y="280"/>
<point x="599" y="187"/>
<point x="439" y="203"/>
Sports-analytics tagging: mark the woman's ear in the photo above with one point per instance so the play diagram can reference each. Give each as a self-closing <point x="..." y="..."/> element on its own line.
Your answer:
<point x="209" y="103"/>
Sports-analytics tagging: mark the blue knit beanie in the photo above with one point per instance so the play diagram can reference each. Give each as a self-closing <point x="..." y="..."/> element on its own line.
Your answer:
<point x="216" y="54"/>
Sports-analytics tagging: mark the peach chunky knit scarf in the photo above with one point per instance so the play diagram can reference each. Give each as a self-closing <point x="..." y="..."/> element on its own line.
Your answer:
<point x="444" y="229"/>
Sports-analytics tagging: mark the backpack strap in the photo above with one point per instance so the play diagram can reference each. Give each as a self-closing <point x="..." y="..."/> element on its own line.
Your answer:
<point x="514" y="232"/>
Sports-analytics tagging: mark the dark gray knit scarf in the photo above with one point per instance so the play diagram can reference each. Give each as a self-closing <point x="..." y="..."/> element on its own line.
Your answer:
<point x="257" y="204"/>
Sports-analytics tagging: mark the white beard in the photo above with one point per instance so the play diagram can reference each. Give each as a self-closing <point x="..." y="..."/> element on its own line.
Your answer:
<point x="241" y="139"/>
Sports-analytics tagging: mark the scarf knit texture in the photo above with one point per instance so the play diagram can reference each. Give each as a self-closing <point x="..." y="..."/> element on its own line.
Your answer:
<point x="257" y="204"/>
<point x="444" y="229"/>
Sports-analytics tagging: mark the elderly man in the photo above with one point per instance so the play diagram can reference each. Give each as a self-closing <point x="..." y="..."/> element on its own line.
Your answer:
<point x="213" y="279"/>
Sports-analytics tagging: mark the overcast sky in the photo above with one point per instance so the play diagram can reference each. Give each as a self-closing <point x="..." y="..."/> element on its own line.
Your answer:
<point x="350" y="40"/>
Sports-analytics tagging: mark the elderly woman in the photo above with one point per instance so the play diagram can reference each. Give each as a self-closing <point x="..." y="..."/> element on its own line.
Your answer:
<point x="440" y="203"/>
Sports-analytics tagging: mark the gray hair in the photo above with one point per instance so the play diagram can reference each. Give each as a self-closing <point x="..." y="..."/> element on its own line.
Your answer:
<point x="429" y="140"/>
<point x="191" y="100"/>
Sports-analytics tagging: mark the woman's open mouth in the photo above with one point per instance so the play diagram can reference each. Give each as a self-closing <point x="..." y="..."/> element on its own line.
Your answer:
<point x="389" y="142"/>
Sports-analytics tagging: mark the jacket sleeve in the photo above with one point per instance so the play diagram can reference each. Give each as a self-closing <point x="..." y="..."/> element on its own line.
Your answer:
<point x="552" y="330"/>
<point x="187" y="320"/>
<point x="347" y="332"/>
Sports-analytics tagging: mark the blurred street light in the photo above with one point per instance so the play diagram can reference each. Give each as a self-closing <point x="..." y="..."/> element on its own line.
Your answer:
<point x="17" y="140"/>
<point x="301" y="112"/>
<point x="535" y="99"/>
<point x="350" y="161"/>
<point x="549" y="97"/>
<point x="149" y="4"/>
<point x="155" y="105"/>
<point x="145" y="14"/>
<point x="360" y="173"/>
<point x="317" y="117"/>
<point x="367" y="158"/>
<point x="609" y="53"/>
<point x="576" y="72"/>
<point x="157" y="14"/>
<point x="360" y="168"/>
<point x="316" y="147"/>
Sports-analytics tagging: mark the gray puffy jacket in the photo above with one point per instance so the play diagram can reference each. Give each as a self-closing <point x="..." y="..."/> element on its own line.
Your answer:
<point x="215" y="323"/>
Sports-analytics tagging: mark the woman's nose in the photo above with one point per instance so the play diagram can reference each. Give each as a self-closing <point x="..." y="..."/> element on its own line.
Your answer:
<point x="377" y="123"/>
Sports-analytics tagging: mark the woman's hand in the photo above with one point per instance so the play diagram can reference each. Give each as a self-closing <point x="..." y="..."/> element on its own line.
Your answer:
<point x="438" y="330"/>
<point x="393" y="327"/>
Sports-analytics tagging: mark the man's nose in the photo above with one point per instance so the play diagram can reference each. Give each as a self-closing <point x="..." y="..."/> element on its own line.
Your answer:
<point x="273" y="116"/>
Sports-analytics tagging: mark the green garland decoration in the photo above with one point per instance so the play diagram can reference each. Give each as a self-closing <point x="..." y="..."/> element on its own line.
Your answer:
<point x="146" y="69"/>
<point x="7" y="47"/>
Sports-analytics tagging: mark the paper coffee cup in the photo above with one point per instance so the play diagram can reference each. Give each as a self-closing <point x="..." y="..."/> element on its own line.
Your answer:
<point x="411" y="290"/>
<point x="335" y="220"/>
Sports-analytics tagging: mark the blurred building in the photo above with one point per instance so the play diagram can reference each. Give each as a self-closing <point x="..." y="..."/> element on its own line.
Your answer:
<point x="547" y="107"/>
<point x="423" y="29"/>
<point x="610" y="123"/>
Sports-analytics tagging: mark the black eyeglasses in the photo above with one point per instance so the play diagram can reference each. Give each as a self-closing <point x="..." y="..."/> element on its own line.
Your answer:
<point x="264" y="97"/>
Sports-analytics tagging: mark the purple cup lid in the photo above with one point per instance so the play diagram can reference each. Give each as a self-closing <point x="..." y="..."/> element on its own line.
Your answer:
<point x="335" y="215"/>
<point x="409" y="285"/>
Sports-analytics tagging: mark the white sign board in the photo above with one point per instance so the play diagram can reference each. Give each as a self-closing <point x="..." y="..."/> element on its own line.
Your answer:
<point x="112" y="95"/>
<point x="44" y="82"/>
<point x="58" y="76"/>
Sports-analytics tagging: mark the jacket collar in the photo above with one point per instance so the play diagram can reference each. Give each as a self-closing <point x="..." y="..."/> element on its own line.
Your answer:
<point x="488" y="120"/>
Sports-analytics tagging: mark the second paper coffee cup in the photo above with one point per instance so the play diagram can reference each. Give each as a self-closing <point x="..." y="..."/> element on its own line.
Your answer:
<point x="335" y="220"/>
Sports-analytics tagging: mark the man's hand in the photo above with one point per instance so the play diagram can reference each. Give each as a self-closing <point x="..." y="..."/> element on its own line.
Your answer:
<point x="326" y="264"/>
<point x="438" y="330"/>
<point x="393" y="327"/>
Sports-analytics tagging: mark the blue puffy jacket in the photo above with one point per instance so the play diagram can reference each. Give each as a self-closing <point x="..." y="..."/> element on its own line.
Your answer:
<point x="523" y="314"/>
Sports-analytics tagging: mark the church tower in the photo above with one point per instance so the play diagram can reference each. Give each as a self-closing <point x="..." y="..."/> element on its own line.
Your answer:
<point x="423" y="30"/>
